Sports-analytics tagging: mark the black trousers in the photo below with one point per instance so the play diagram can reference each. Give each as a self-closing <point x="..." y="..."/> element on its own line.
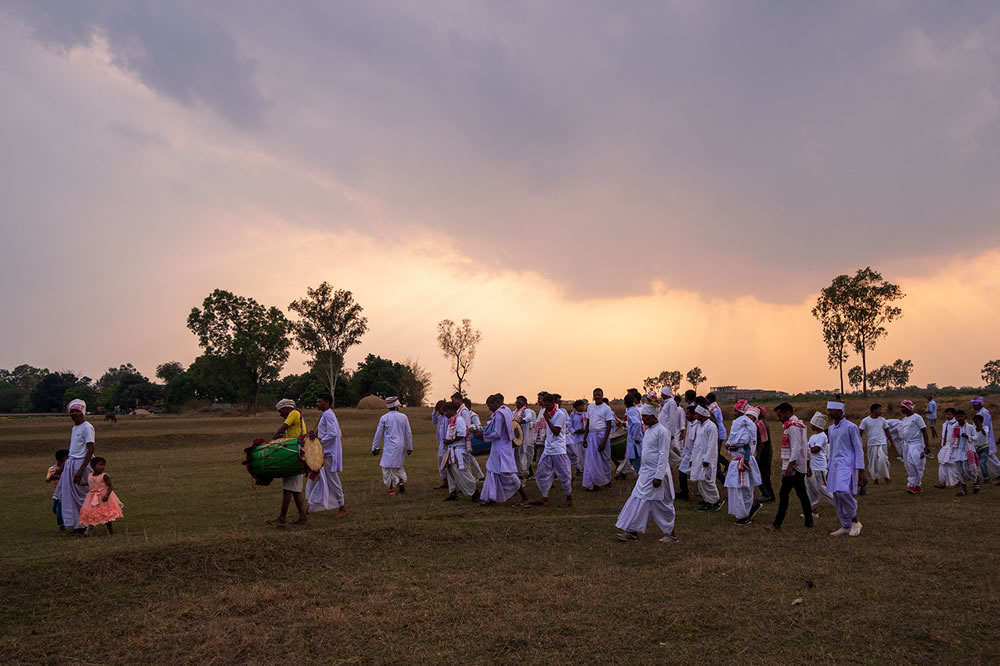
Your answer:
<point x="764" y="462"/>
<point x="797" y="481"/>
<point x="682" y="485"/>
<point x="722" y="465"/>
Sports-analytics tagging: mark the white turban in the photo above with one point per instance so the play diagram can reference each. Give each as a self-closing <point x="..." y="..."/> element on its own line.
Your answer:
<point x="391" y="402"/>
<point x="647" y="410"/>
<point x="701" y="411"/>
<point x="285" y="402"/>
<point x="76" y="404"/>
<point x="818" y="420"/>
<point x="752" y="411"/>
<point x="833" y="404"/>
<point x="666" y="392"/>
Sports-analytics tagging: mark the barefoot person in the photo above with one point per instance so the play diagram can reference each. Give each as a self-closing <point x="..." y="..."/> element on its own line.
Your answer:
<point x="554" y="462"/>
<point x="501" y="470"/>
<point x="323" y="489"/>
<point x="878" y="437"/>
<point x="846" y="474"/>
<point x="397" y="442"/>
<point x="73" y="484"/>
<point x="653" y="494"/>
<point x="704" y="457"/>
<point x="794" y="464"/>
<point x="743" y="475"/>
<point x="293" y="427"/>
<point x="597" y="459"/>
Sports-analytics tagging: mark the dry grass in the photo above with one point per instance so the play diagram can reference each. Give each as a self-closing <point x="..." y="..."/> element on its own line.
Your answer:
<point x="194" y="575"/>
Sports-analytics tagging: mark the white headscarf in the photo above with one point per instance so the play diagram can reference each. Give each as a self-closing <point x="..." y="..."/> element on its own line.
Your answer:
<point x="818" y="420"/>
<point x="285" y="402"/>
<point x="833" y="404"/>
<point x="76" y="404"/>
<point x="752" y="411"/>
<point x="701" y="411"/>
<point x="391" y="402"/>
<point x="647" y="410"/>
<point x="666" y="392"/>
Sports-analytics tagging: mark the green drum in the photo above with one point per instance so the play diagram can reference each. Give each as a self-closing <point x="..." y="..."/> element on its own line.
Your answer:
<point x="274" y="460"/>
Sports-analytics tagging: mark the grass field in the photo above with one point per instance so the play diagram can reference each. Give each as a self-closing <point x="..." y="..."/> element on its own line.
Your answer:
<point x="194" y="575"/>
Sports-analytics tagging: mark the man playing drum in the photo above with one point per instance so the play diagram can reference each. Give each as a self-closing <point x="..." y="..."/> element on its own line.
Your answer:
<point x="293" y="427"/>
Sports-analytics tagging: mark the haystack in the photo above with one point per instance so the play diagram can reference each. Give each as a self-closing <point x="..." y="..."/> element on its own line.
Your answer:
<point x="371" y="402"/>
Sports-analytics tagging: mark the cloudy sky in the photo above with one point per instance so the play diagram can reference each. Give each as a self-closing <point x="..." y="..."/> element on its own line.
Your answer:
<point x="606" y="189"/>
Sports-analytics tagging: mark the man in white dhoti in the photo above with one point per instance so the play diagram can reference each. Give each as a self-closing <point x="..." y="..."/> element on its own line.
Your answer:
<point x="554" y="462"/>
<point x="668" y="418"/>
<point x="877" y="438"/>
<point x="988" y="464"/>
<point x="501" y="470"/>
<point x="653" y="494"/>
<point x="633" y="440"/>
<point x="597" y="459"/>
<point x="440" y="422"/>
<point x="458" y="469"/>
<point x="323" y="489"/>
<point x="471" y="419"/>
<point x="946" y="473"/>
<point x="961" y="443"/>
<point x="576" y="434"/>
<point x="705" y="457"/>
<point x="847" y="469"/>
<point x="394" y="434"/>
<point x="743" y="475"/>
<point x="819" y="447"/>
<point x="690" y="431"/>
<point x="525" y="453"/>
<point x="915" y="446"/>
<point x="72" y="486"/>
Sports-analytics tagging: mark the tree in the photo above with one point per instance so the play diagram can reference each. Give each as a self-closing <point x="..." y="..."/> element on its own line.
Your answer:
<point x="695" y="377"/>
<point x="126" y="387"/>
<point x="991" y="373"/>
<point x="459" y="346"/>
<point x="251" y="336"/>
<point x="881" y="376"/>
<point x="830" y="311"/>
<point x="416" y="383"/>
<point x="869" y="307"/>
<point x="900" y="372"/>
<point x="378" y="376"/>
<point x="329" y="324"/>
<point x="855" y="376"/>
<point x="671" y="378"/>
<point x="47" y="395"/>
<point x="17" y="385"/>
<point x="169" y="370"/>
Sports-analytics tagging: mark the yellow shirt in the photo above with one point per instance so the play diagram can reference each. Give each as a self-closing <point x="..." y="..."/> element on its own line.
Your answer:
<point x="295" y="425"/>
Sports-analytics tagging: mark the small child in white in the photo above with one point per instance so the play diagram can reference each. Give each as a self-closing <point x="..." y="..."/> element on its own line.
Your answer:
<point x="818" y="447"/>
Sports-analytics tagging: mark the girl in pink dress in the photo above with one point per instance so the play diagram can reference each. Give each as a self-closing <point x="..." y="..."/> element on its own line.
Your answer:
<point x="101" y="505"/>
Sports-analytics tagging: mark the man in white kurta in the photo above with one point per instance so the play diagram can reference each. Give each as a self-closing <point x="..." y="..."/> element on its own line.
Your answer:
<point x="323" y="489"/>
<point x="819" y="449"/>
<point x="554" y="462"/>
<point x="991" y="463"/>
<point x="458" y="469"/>
<point x="705" y="457"/>
<point x="668" y="418"/>
<point x="525" y="453"/>
<point x="946" y="471"/>
<point x="397" y="442"/>
<point x="470" y="419"/>
<point x="877" y="435"/>
<point x="501" y="471"/>
<point x="914" y="448"/>
<point x="653" y="494"/>
<point x="633" y="439"/>
<point x="72" y="486"/>
<point x="743" y="475"/>
<point x="440" y="422"/>
<point x="597" y="459"/>
<point x="846" y="469"/>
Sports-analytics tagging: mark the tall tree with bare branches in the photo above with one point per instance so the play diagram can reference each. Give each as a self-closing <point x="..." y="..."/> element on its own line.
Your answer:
<point x="458" y="344"/>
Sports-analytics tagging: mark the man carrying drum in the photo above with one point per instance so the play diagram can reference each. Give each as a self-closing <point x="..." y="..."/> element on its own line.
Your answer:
<point x="293" y="427"/>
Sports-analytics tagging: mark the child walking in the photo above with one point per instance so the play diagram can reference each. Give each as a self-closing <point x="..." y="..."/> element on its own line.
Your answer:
<point x="53" y="477"/>
<point x="101" y="506"/>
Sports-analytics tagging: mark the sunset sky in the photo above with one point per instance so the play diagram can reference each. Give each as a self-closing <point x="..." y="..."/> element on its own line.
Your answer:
<point x="607" y="190"/>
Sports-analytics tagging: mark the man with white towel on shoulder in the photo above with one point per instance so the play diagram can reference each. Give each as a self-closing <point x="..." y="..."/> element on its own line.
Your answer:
<point x="653" y="494"/>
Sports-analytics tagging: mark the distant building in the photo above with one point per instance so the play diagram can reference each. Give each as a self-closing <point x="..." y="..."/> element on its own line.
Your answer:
<point x="733" y="393"/>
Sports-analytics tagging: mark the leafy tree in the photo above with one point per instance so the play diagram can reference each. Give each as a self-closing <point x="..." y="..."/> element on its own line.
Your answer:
<point x="83" y="392"/>
<point x="881" y="376"/>
<point x="869" y="307"/>
<point x="17" y="385"/>
<point x="671" y="378"/>
<point x="126" y="387"/>
<point x="252" y="337"/>
<point x="169" y="370"/>
<point x="991" y="373"/>
<point x="47" y="395"/>
<point x="329" y="324"/>
<point x="900" y="372"/>
<point x="458" y="343"/>
<point x="695" y="377"/>
<point x="856" y="376"/>
<point x="830" y="311"/>
<point x="416" y="383"/>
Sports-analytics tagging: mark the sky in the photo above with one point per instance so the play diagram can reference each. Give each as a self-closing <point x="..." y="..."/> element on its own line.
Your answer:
<point x="607" y="190"/>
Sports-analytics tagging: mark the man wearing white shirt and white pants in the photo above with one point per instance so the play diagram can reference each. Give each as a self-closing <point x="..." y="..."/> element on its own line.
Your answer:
<point x="397" y="440"/>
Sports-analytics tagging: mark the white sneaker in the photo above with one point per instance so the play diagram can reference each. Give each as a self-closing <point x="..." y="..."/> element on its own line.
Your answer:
<point x="843" y="531"/>
<point x="855" y="529"/>
<point x="815" y="515"/>
<point x="668" y="538"/>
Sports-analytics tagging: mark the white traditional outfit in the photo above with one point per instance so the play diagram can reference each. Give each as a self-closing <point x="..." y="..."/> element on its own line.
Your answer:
<point x="910" y="429"/>
<point x="397" y="438"/>
<point x="525" y="453"/>
<point x="501" y="470"/>
<point x="646" y="500"/>
<point x="878" y="446"/>
<point x="554" y="462"/>
<point x="633" y="442"/>
<point x="743" y="474"/>
<point x="459" y="469"/>
<point x="71" y="494"/>
<point x="690" y="433"/>
<point x="988" y="464"/>
<point x="597" y="463"/>
<point x="816" y="484"/>
<point x="440" y="422"/>
<point x="669" y="418"/>
<point x="846" y="457"/>
<point x="948" y="475"/>
<point x="705" y="456"/>
<point x="574" y="439"/>
<point x="323" y="489"/>
<point x="471" y="419"/>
